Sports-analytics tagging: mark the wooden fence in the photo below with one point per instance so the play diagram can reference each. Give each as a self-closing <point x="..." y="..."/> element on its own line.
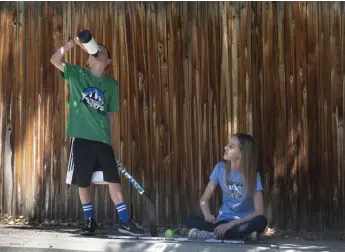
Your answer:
<point x="190" y="75"/>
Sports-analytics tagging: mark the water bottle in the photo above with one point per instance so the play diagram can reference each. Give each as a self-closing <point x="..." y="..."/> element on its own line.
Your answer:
<point x="88" y="42"/>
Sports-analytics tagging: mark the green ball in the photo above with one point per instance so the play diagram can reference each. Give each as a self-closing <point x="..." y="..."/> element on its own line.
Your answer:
<point x="169" y="233"/>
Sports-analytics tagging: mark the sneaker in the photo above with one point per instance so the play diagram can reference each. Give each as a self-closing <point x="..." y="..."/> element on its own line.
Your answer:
<point x="130" y="228"/>
<point x="90" y="227"/>
<point x="195" y="233"/>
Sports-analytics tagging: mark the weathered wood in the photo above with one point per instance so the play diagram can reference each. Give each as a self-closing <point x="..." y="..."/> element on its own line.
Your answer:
<point x="292" y="140"/>
<point x="257" y="73"/>
<point x="313" y="84"/>
<point x="191" y="120"/>
<point x="190" y="75"/>
<point x="337" y="106"/>
<point x="325" y="111"/>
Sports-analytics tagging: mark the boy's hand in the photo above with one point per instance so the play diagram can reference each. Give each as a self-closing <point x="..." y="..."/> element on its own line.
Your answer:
<point x="77" y="42"/>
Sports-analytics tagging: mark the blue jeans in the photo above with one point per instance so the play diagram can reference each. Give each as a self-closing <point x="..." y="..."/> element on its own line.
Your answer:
<point x="239" y="231"/>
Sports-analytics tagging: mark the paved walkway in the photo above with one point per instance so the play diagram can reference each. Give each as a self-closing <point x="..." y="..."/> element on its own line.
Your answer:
<point x="20" y="239"/>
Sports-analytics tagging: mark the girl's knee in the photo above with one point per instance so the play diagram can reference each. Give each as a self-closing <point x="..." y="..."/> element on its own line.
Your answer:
<point x="262" y="219"/>
<point x="189" y="220"/>
<point x="261" y="223"/>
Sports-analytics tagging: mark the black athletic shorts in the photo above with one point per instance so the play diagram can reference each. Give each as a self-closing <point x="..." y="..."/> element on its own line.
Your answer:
<point x="92" y="160"/>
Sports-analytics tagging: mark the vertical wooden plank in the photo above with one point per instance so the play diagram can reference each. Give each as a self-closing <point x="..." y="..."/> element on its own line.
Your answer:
<point x="197" y="96"/>
<point x="269" y="40"/>
<point x="29" y="94"/>
<point x="325" y="111"/>
<point x="299" y="14"/>
<point x="337" y="108"/>
<point x="133" y="102"/>
<point x="193" y="9"/>
<point x="175" y="84"/>
<point x="137" y="102"/>
<point x="2" y="113"/>
<point x="140" y="104"/>
<point x="51" y="32"/>
<point x="214" y="35"/>
<point x="205" y="106"/>
<point x="124" y="87"/>
<point x="163" y="126"/>
<point x="178" y="160"/>
<point x="273" y="90"/>
<point x="245" y="68"/>
<point x="289" y="34"/>
<point x="235" y="67"/>
<point x="20" y="72"/>
<point x="7" y="89"/>
<point x="313" y="112"/>
<point x="62" y="27"/>
<point x="183" y="73"/>
<point x="225" y="15"/>
<point x="280" y="138"/>
<point x="155" y="108"/>
<point x="342" y="176"/>
<point x="257" y="73"/>
<point x="225" y="95"/>
<point x="39" y="111"/>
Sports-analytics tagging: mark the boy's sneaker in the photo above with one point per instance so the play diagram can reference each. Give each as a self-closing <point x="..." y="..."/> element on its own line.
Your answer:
<point x="90" y="227"/>
<point x="195" y="233"/>
<point x="130" y="228"/>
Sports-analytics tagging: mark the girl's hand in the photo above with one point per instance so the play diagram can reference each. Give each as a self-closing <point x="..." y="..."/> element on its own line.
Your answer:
<point x="221" y="229"/>
<point x="210" y="218"/>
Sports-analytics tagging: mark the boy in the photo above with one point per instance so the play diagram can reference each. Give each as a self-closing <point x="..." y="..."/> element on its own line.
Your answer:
<point x="93" y="95"/>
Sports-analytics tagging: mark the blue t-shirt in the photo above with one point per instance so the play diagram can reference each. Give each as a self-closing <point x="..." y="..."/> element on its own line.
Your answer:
<point x="235" y="204"/>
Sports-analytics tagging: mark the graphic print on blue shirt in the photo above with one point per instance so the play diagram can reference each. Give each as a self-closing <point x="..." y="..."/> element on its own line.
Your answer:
<point x="235" y="204"/>
<point x="94" y="98"/>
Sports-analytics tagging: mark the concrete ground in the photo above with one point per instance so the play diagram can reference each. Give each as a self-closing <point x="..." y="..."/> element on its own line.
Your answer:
<point x="24" y="238"/>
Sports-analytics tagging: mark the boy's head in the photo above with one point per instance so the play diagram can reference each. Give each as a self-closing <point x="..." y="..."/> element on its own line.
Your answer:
<point x="103" y="59"/>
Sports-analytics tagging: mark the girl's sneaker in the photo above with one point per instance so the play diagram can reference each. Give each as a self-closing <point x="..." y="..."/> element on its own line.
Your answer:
<point x="195" y="233"/>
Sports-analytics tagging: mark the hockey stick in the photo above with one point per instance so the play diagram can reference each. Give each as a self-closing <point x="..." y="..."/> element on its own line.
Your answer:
<point x="185" y="239"/>
<point x="150" y="206"/>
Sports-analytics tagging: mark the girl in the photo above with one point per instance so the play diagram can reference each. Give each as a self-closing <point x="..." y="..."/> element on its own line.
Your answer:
<point x="241" y="213"/>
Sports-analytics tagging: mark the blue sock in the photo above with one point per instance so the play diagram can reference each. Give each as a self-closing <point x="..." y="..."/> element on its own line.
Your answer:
<point x="123" y="212"/>
<point x="88" y="212"/>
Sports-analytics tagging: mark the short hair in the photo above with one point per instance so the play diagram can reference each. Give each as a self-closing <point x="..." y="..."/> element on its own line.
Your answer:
<point x="109" y="54"/>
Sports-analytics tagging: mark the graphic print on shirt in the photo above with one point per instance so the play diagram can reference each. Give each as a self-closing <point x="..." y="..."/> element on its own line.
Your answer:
<point x="93" y="98"/>
<point x="233" y="189"/>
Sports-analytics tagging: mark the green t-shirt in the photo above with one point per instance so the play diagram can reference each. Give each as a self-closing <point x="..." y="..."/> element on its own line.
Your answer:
<point x="91" y="98"/>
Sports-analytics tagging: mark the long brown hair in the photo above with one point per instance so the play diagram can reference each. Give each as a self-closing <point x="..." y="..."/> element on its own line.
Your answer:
<point x="249" y="162"/>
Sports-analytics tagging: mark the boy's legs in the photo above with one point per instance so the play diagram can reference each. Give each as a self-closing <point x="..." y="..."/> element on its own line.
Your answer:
<point x="106" y="159"/>
<point x="83" y="159"/>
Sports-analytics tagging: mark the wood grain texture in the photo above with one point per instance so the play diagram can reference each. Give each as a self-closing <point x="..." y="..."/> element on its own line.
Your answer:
<point x="190" y="76"/>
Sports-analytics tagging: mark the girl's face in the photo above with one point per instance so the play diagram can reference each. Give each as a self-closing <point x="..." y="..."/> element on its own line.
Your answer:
<point x="232" y="151"/>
